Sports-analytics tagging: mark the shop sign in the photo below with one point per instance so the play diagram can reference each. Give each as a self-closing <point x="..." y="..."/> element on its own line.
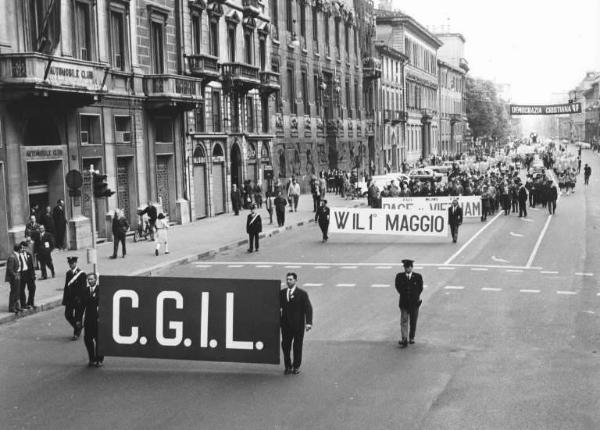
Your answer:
<point x="72" y="75"/>
<point x="44" y="153"/>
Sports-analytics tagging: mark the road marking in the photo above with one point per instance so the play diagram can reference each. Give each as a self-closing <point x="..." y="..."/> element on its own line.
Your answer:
<point x="583" y="274"/>
<point x="479" y="269"/>
<point x="514" y="271"/>
<point x="530" y="291"/>
<point x="380" y="285"/>
<point x="202" y="266"/>
<point x="345" y="285"/>
<point x="526" y="219"/>
<point x="292" y="267"/>
<point x="499" y="260"/>
<point x="453" y="287"/>
<point x="567" y="293"/>
<point x="263" y="266"/>
<point x="467" y="243"/>
<point x="308" y="284"/>
<point x="322" y="267"/>
<point x="549" y="272"/>
<point x="446" y="268"/>
<point x="425" y="286"/>
<point x="235" y="265"/>
<point x="418" y="267"/>
<point x="491" y="289"/>
<point x="383" y="267"/>
<point x="538" y="242"/>
<point x="516" y="234"/>
<point x="348" y="267"/>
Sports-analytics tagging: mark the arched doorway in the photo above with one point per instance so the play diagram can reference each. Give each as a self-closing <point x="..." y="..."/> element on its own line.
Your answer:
<point x="236" y="165"/>
<point x="218" y="179"/>
<point x="200" y="189"/>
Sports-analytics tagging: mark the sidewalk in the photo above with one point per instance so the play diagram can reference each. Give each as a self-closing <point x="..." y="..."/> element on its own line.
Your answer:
<point x="186" y="243"/>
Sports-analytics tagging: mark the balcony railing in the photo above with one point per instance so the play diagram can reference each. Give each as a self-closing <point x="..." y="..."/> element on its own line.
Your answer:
<point x="387" y="115"/>
<point x="172" y="90"/>
<point x="251" y="7"/>
<point x="204" y="66"/>
<point x="269" y="81"/>
<point x="398" y="116"/>
<point x="371" y="68"/>
<point x="243" y="75"/>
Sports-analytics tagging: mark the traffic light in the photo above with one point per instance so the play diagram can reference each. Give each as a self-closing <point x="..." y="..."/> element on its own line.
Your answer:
<point x="101" y="187"/>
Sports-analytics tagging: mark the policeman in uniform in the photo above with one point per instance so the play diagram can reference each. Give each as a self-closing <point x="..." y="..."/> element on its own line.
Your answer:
<point x="409" y="286"/>
<point x="74" y="296"/>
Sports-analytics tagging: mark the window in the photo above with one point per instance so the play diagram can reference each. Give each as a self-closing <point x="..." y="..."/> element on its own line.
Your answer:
<point x="347" y="39"/>
<point x="289" y="21"/>
<point x="235" y="114"/>
<point x="274" y="8"/>
<point x="89" y="130"/>
<point x="200" y="114"/>
<point x="122" y="129"/>
<point x="163" y="129"/>
<point x="302" y="8"/>
<point x="337" y="35"/>
<point x="83" y="31"/>
<point x="326" y="25"/>
<point x="305" y="93"/>
<point x="348" y="100"/>
<point x="231" y="42"/>
<point x="262" y="48"/>
<point x="196" y="33"/>
<point x="216" y="111"/>
<point x="249" y="46"/>
<point x="317" y="89"/>
<point x="158" y="59"/>
<point x="291" y="91"/>
<point x="250" y="115"/>
<point x="213" y="36"/>
<point x="356" y="43"/>
<point x="356" y="99"/>
<point x="315" y="29"/>
<point x="118" y="36"/>
<point x="265" y="113"/>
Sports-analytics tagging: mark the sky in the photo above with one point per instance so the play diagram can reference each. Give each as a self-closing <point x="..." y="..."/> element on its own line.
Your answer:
<point x="541" y="48"/>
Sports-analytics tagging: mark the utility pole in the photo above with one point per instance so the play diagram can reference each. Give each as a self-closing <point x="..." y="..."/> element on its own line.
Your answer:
<point x="91" y="252"/>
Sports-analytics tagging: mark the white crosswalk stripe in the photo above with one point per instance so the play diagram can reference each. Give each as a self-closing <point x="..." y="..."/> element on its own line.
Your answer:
<point x="308" y="284"/>
<point x="529" y="291"/>
<point x="380" y="285"/>
<point x="567" y="293"/>
<point x="491" y="289"/>
<point x="234" y="266"/>
<point x="322" y="267"/>
<point x="454" y="287"/>
<point x="345" y="285"/>
<point x="263" y="266"/>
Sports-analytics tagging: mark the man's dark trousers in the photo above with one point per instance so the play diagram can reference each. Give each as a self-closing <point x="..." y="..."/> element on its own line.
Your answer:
<point x="116" y="239"/>
<point x="280" y="217"/>
<point x="523" y="209"/>
<point x="551" y="206"/>
<point x="28" y="282"/>
<point x="289" y="337"/>
<point x="454" y="231"/>
<point x="324" y="229"/>
<point x="253" y="241"/>
<point x="74" y="315"/>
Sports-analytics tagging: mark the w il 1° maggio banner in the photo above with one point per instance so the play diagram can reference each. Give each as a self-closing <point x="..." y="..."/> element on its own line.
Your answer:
<point x="411" y="223"/>
<point x="471" y="205"/>
<point x="567" y="108"/>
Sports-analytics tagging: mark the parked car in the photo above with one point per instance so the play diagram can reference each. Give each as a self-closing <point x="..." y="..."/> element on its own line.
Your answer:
<point x="425" y="174"/>
<point x="444" y="169"/>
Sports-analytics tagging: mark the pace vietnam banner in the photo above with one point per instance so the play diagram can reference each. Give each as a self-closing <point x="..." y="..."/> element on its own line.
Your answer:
<point x="391" y="222"/>
<point x="471" y="205"/>
<point x="190" y="318"/>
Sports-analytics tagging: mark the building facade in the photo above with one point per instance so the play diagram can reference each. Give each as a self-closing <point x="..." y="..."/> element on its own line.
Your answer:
<point x="578" y="95"/>
<point x="592" y="112"/>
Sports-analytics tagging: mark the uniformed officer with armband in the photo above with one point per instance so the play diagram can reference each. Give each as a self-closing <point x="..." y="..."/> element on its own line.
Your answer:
<point x="409" y="286"/>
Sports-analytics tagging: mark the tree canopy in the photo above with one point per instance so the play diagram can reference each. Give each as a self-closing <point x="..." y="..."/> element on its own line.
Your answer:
<point x="486" y="112"/>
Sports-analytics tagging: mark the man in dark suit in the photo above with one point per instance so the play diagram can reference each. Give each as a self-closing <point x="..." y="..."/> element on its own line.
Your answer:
<point x="296" y="317"/>
<point x="322" y="217"/>
<point x="522" y="201"/>
<point x="236" y="199"/>
<point x="90" y="321"/>
<point x="13" y="277"/>
<point x="60" y="223"/>
<point x="455" y="219"/>
<point x="552" y="198"/>
<point x="74" y="296"/>
<point x="280" y="203"/>
<point x="45" y="247"/>
<point x="27" y="277"/>
<point x="253" y="228"/>
<point x="410" y="286"/>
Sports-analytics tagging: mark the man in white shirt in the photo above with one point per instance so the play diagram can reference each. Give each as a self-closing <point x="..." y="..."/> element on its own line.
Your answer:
<point x="294" y="195"/>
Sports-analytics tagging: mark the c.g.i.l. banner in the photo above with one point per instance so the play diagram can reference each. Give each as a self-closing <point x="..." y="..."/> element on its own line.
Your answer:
<point x="412" y="223"/>
<point x="190" y="318"/>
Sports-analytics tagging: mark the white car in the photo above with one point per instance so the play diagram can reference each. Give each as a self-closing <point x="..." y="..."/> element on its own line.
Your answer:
<point x="425" y="174"/>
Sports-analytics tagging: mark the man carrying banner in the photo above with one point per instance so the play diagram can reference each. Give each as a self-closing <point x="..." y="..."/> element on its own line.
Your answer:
<point x="296" y="317"/>
<point x="73" y="296"/>
<point x="90" y="321"/>
<point x="455" y="219"/>
<point x="409" y="286"/>
<point x="253" y="228"/>
<point x="322" y="217"/>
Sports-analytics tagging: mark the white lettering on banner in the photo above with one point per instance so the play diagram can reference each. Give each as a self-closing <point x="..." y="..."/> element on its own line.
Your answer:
<point x="173" y="325"/>
<point x="116" y="332"/>
<point x="413" y="222"/>
<point x="471" y="205"/>
<point x="204" y="321"/>
<point x="229" y="342"/>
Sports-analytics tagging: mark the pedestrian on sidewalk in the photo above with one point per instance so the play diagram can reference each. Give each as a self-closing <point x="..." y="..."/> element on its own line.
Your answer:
<point x="152" y="213"/>
<point x="322" y="218"/>
<point x="294" y="195"/>
<point x="90" y="321"/>
<point x="13" y="277"/>
<point x="44" y="251"/>
<point x="258" y="199"/>
<point x="269" y="205"/>
<point x="455" y="219"/>
<point x="32" y="235"/>
<point x="162" y="235"/>
<point x="296" y="318"/>
<point x="74" y="296"/>
<point x="236" y="199"/>
<point x="253" y="228"/>
<point x="120" y="225"/>
<point x="280" y="203"/>
<point x="587" y="172"/>
<point x="27" y="277"/>
<point x="60" y="223"/>
<point x="409" y="286"/>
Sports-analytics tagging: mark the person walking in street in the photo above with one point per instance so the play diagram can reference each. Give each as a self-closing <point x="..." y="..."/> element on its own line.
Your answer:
<point x="45" y="247"/>
<point x="90" y="321"/>
<point x="258" y="199"/>
<point x="74" y="296"/>
<point x="162" y="233"/>
<point x="587" y="172"/>
<point x="455" y="219"/>
<point x="316" y="193"/>
<point x="485" y="204"/>
<point x="322" y="218"/>
<point x="27" y="277"/>
<point x="294" y="195"/>
<point x="409" y="286"/>
<point x="13" y="277"/>
<point x="236" y="199"/>
<point x="296" y="318"/>
<point x="253" y="228"/>
<point x="552" y="198"/>
<point x="60" y="223"/>
<point x="120" y="225"/>
<point x="269" y="205"/>
<point x="280" y="203"/>
<point x="522" y="201"/>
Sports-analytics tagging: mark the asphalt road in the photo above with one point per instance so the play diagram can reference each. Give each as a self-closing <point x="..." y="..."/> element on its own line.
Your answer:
<point x="508" y="338"/>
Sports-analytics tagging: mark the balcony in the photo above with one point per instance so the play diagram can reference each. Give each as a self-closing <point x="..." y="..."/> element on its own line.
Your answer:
<point x="251" y="8"/>
<point x="371" y="68"/>
<point x="75" y="82"/>
<point x="238" y="76"/>
<point x="387" y="115"/>
<point x="463" y="64"/>
<point x="269" y="82"/>
<point x="204" y="66"/>
<point x="172" y="91"/>
<point x="399" y="116"/>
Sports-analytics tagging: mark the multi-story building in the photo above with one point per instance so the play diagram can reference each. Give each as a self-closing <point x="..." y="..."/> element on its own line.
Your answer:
<point x="318" y="47"/>
<point x="577" y="95"/>
<point x="420" y="46"/>
<point x="452" y="68"/>
<point x="592" y="111"/>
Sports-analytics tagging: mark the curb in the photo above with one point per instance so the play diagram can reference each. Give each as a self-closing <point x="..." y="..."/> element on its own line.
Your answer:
<point x="54" y="302"/>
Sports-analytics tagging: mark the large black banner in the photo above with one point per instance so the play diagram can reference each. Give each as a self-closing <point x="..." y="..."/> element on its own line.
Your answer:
<point x="567" y="108"/>
<point x="190" y="318"/>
